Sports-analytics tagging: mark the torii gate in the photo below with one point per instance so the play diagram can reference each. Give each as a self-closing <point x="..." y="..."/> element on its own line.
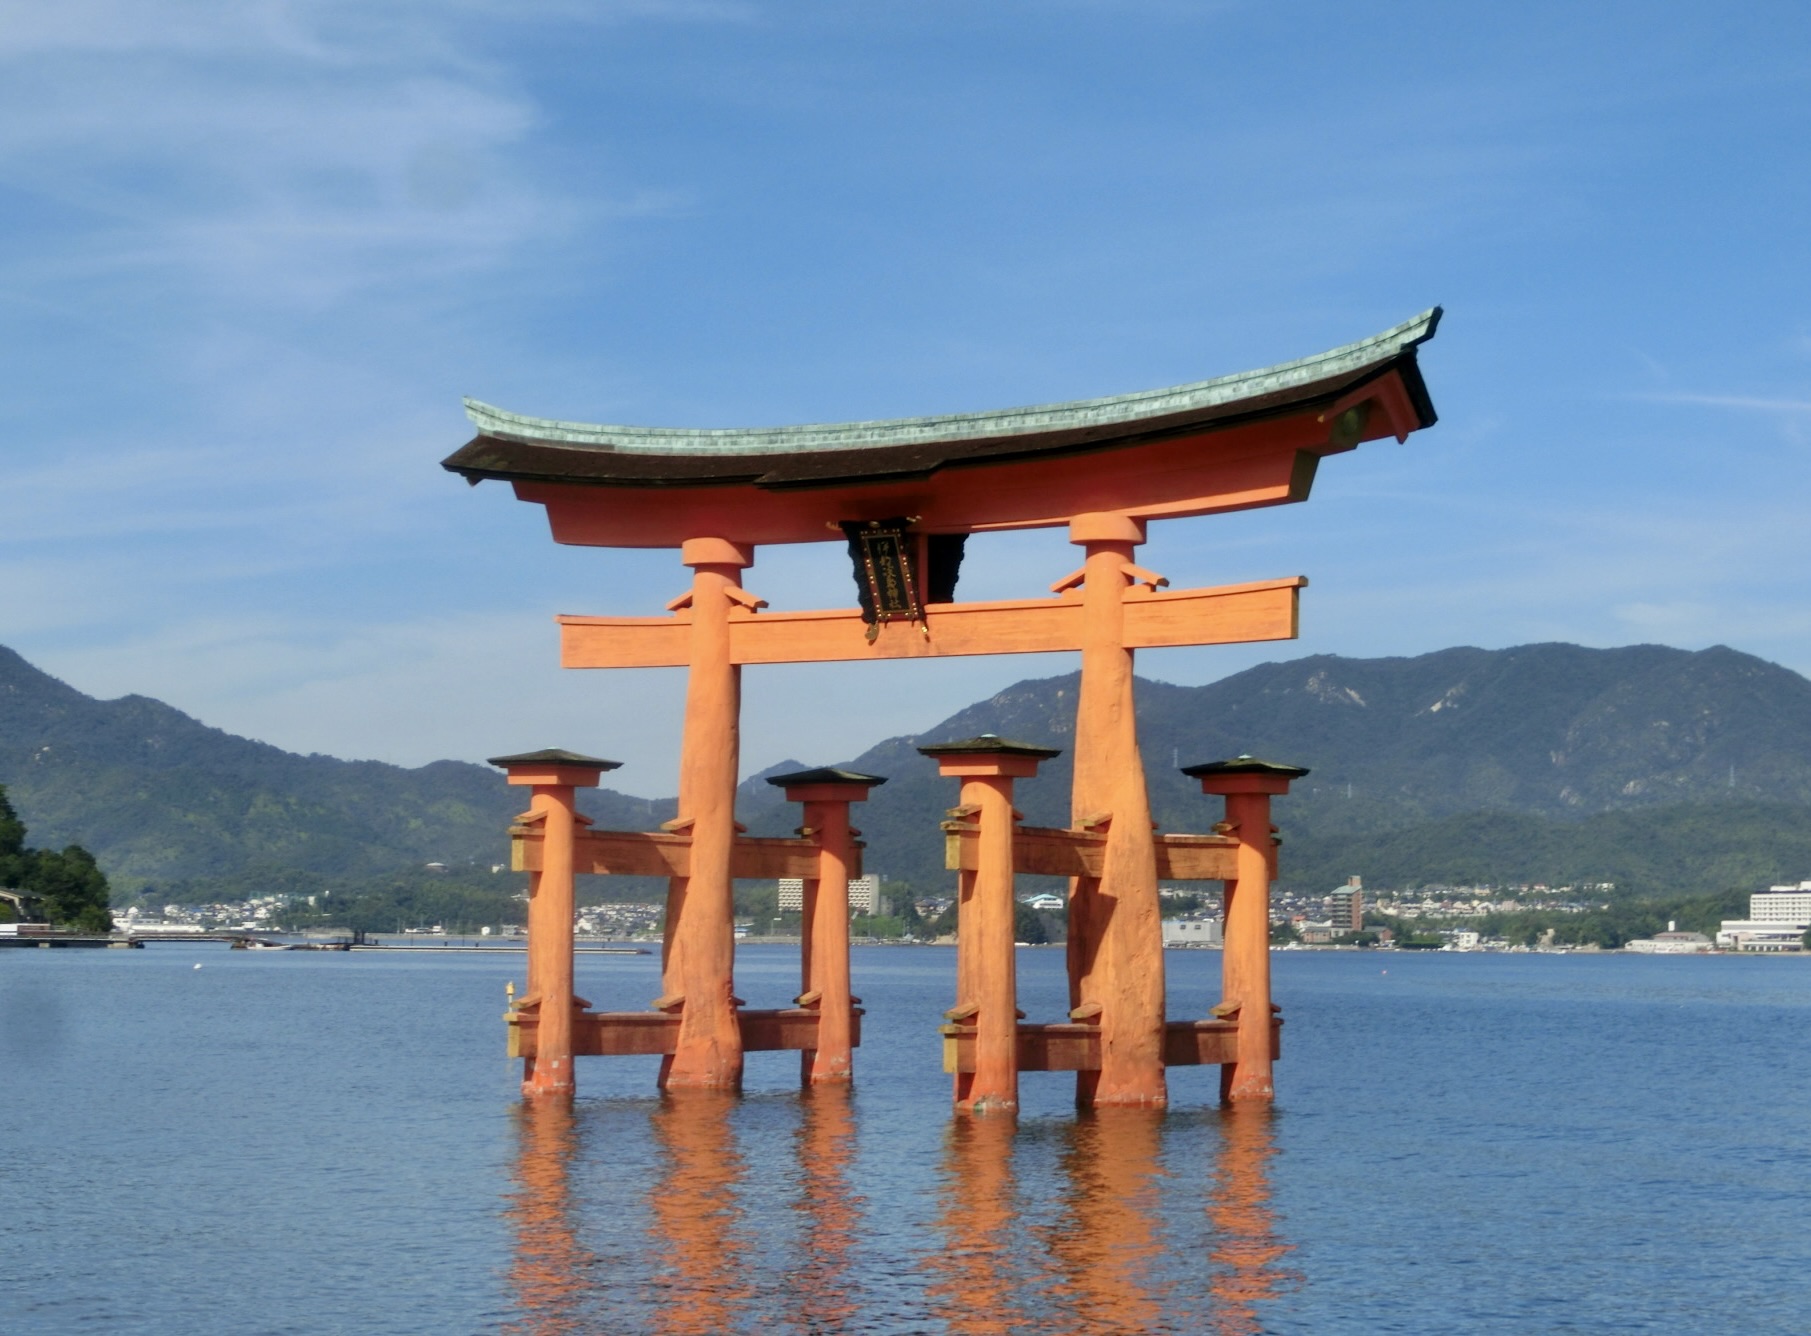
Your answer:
<point x="904" y="495"/>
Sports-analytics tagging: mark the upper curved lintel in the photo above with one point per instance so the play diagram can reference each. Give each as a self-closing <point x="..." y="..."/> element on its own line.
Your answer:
<point x="1039" y="420"/>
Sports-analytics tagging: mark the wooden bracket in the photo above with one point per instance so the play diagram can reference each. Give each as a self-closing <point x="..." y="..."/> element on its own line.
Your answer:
<point x="737" y="594"/>
<point x="1087" y="1011"/>
<point x="1387" y="393"/>
<point x="681" y="603"/>
<point x="671" y="1003"/>
<point x="1074" y="580"/>
<point x="679" y="824"/>
<point x="1138" y="575"/>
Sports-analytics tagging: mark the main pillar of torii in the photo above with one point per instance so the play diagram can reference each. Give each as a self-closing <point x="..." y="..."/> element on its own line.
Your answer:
<point x="904" y="496"/>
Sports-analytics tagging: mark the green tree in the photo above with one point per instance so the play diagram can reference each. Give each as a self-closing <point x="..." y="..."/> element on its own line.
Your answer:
<point x="1282" y="932"/>
<point x="71" y="888"/>
<point x="68" y="888"/>
<point x="12" y="830"/>
<point x="1028" y="924"/>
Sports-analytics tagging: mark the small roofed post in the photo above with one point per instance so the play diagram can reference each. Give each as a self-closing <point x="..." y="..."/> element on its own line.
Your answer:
<point x="1248" y="784"/>
<point x="552" y="777"/>
<point x="986" y="979"/>
<point x="824" y="985"/>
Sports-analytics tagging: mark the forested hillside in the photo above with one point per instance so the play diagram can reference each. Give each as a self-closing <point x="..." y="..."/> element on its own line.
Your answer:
<point x="1645" y="765"/>
<point x="1651" y="767"/>
<point x="161" y="798"/>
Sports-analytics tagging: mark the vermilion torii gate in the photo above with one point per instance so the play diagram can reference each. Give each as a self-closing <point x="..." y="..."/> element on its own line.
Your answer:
<point x="904" y="495"/>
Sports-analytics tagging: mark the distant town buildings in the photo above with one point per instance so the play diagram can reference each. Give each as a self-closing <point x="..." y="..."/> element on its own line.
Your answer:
<point x="864" y="894"/>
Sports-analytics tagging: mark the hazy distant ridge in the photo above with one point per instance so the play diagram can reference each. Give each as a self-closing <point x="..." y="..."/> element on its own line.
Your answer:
<point x="1583" y="759"/>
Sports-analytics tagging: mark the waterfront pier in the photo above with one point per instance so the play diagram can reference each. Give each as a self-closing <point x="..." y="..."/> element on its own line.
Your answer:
<point x="903" y="498"/>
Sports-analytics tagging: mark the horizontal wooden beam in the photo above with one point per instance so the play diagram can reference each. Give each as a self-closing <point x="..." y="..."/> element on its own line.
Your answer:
<point x="641" y="1033"/>
<point x="1071" y="1047"/>
<point x="1052" y="852"/>
<point x="636" y="853"/>
<point x="759" y="858"/>
<point x="1230" y="614"/>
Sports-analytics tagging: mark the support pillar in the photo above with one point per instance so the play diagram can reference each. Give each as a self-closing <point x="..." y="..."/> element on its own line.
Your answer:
<point x="987" y="766"/>
<point x="824" y="928"/>
<point x="1248" y="786"/>
<point x="698" y="956"/>
<point x="552" y="778"/>
<point x="1115" y="944"/>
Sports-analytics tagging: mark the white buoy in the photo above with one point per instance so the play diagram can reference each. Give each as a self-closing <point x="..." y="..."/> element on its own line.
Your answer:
<point x="197" y="964"/>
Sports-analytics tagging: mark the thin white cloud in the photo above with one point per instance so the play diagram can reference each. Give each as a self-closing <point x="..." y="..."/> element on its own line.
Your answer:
<point x="1741" y="401"/>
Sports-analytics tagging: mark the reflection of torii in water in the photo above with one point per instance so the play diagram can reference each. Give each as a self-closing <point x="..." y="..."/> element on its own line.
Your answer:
<point x="902" y="495"/>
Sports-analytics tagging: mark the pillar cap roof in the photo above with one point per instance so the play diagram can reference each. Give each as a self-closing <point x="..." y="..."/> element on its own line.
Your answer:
<point x="555" y="756"/>
<point x="825" y="774"/>
<point x="988" y="744"/>
<point x="1244" y="765"/>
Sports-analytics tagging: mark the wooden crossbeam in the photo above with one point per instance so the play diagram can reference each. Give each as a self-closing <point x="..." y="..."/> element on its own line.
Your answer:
<point x="636" y="853"/>
<point x="1053" y="852"/>
<point x="1072" y="1047"/>
<point x="1230" y="614"/>
<point x="632" y="1033"/>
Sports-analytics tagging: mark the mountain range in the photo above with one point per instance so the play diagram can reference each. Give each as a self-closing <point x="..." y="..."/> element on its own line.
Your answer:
<point x="1647" y="765"/>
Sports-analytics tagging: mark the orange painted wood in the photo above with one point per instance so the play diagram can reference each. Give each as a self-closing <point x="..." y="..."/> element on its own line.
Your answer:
<point x="699" y="949"/>
<point x="1226" y="615"/>
<point x="636" y="853"/>
<point x="551" y="897"/>
<point x="824" y="946"/>
<point x="1069" y="1047"/>
<point x="759" y="858"/>
<point x="1115" y="939"/>
<point x="632" y="1033"/>
<point x="1052" y="852"/>
<point x="1196" y="857"/>
<point x="1207" y="1043"/>
<point x="1226" y="468"/>
<point x="1245" y="961"/>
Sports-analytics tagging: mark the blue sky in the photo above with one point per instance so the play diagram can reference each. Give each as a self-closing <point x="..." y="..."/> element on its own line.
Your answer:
<point x="255" y="252"/>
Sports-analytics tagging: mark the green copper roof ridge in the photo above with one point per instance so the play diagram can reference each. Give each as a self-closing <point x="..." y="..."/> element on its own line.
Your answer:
<point x="1078" y="413"/>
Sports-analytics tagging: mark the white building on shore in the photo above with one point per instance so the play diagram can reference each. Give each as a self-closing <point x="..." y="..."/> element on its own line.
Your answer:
<point x="1777" y="921"/>
<point x="1670" y="943"/>
<point x="1192" y="932"/>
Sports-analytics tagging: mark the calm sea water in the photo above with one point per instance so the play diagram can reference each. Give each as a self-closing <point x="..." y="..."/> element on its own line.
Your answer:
<point x="332" y="1143"/>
